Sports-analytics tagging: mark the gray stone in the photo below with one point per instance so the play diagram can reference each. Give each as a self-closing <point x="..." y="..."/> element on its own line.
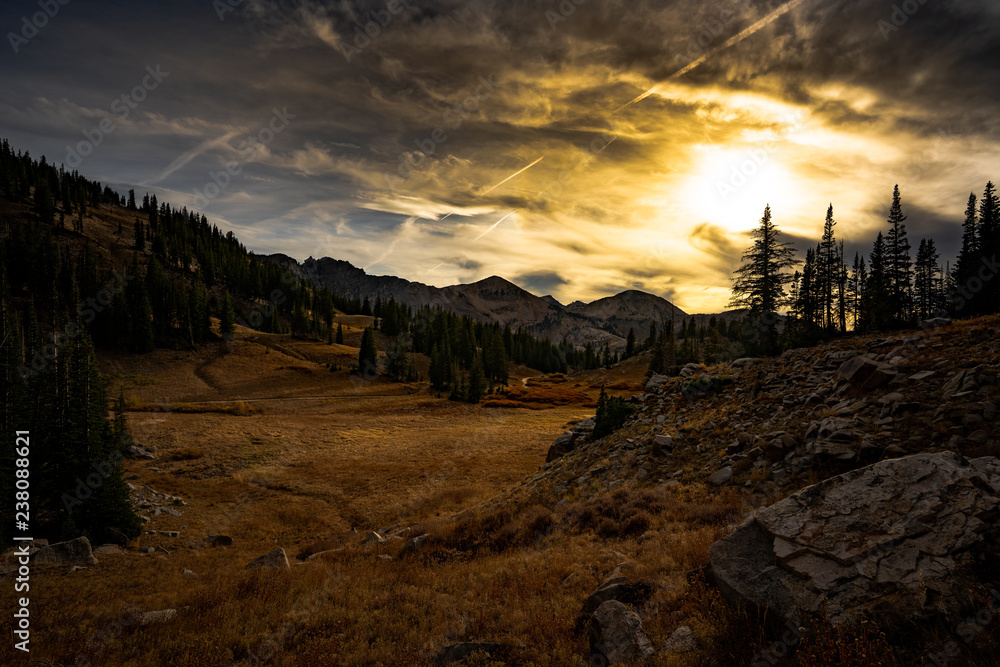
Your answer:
<point x="655" y="381"/>
<point x="415" y="543"/>
<point x="720" y="477"/>
<point x="863" y="373"/>
<point x="162" y="616"/>
<point x="73" y="552"/>
<point x="461" y="651"/>
<point x="273" y="560"/>
<point x="873" y="540"/>
<point x="137" y="452"/>
<point x="616" y="634"/>
<point x="681" y="641"/>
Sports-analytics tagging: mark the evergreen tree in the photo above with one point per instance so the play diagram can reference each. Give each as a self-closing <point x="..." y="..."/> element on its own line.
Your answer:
<point x="140" y="236"/>
<point x="988" y="300"/>
<point x="878" y="306"/>
<point x="227" y="318"/>
<point x="927" y="287"/>
<point x="477" y="382"/>
<point x="968" y="257"/>
<point x="898" y="267"/>
<point x="630" y="343"/>
<point x="340" y="334"/>
<point x="45" y="206"/>
<point x="856" y="290"/>
<point x="827" y="272"/>
<point x="759" y="284"/>
<point x="368" y="354"/>
<point x="652" y="338"/>
<point x="141" y="332"/>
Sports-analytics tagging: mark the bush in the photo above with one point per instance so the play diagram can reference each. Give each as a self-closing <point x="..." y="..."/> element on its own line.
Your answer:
<point x="611" y="414"/>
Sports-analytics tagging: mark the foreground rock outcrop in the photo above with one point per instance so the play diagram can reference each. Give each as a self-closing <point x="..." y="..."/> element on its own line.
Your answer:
<point x="73" y="552"/>
<point x="892" y="537"/>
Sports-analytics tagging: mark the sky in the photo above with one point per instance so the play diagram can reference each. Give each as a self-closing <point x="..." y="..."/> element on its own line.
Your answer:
<point x="578" y="148"/>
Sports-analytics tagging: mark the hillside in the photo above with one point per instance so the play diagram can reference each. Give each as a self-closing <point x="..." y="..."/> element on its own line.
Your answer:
<point x="465" y="537"/>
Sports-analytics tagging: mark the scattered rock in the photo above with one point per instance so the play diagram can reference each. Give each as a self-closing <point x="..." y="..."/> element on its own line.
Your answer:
<point x="654" y="382"/>
<point x="960" y="382"/>
<point x="73" y="552"/>
<point x="863" y="373"/>
<point x="461" y="651"/>
<point x="162" y="616"/>
<point x="135" y="451"/>
<point x="720" y="477"/>
<point x="616" y="635"/>
<point x="681" y="641"/>
<point x="276" y="560"/>
<point x="373" y="538"/>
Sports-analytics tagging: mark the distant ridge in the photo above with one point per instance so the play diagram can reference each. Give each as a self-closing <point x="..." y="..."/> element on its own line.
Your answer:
<point x="496" y="299"/>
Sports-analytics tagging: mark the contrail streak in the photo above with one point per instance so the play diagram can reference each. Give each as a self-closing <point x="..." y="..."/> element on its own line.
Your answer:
<point x="516" y="173"/>
<point x="736" y="39"/>
<point x="493" y="226"/>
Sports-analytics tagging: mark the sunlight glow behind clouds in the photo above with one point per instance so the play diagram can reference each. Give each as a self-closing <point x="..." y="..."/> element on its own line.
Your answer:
<point x="812" y="108"/>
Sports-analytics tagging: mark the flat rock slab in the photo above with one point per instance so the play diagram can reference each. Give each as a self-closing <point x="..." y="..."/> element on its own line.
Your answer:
<point x="892" y="537"/>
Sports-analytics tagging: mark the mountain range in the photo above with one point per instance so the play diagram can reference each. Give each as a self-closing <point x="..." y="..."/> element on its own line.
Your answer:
<point x="602" y="322"/>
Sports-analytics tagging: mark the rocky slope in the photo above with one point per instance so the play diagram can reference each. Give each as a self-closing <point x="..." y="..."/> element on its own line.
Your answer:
<point x="770" y="425"/>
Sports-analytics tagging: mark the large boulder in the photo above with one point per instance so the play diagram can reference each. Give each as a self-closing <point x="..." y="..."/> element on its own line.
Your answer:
<point x="563" y="445"/>
<point x="73" y="552"/>
<point x="567" y="442"/>
<point x="863" y="373"/>
<point x="616" y="635"/>
<point x="654" y="383"/>
<point x="892" y="537"/>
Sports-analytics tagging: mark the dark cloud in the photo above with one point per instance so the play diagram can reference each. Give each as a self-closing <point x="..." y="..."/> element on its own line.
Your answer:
<point x="918" y="100"/>
<point x="540" y="282"/>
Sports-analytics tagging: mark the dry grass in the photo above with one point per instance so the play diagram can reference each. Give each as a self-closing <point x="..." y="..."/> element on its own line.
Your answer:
<point x="307" y="465"/>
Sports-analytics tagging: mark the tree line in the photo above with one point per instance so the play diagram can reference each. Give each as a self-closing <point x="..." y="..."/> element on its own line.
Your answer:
<point x="890" y="288"/>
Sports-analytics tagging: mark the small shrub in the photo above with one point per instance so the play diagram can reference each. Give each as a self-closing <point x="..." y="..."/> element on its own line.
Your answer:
<point x="611" y="414"/>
